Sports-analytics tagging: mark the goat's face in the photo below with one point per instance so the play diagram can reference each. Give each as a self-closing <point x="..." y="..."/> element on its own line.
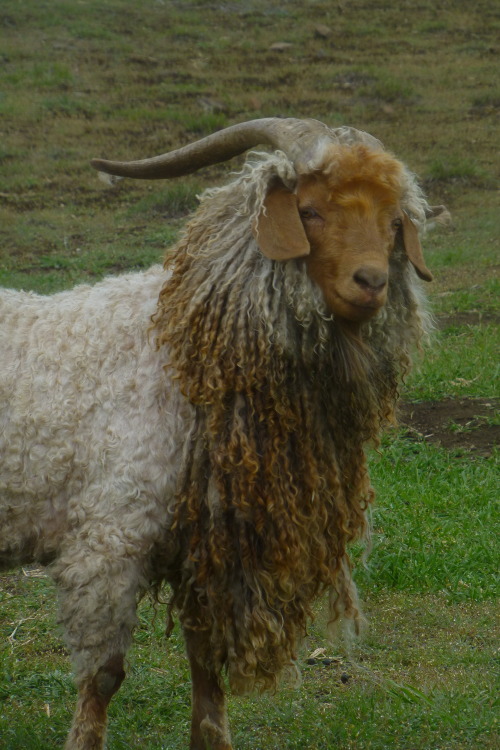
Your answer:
<point x="344" y="219"/>
<point x="351" y="233"/>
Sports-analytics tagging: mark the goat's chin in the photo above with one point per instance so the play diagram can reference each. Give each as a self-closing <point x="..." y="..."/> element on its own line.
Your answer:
<point x="353" y="312"/>
<point x="356" y="306"/>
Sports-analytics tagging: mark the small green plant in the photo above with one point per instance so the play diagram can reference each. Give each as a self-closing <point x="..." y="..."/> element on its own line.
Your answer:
<point x="204" y="123"/>
<point x="51" y="76"/>
<point x="456" y="169"/>
<point x="68" y="105"/>
<point x="433" y="27"/>
<point x="173" y="200"/>
<point x="387" y="88"/>
<point x="488" y="100"/>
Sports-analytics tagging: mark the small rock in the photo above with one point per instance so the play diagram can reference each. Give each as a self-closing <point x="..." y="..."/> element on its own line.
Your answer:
<point x="254" y="102"/>
<point x="321" y="31"/>
<point x="210" y="105"/>
<point x="344" y="677"/>
<point x="280" y="46"/>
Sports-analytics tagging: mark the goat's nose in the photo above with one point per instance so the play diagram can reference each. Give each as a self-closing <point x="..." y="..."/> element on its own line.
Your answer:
<point x="371" y="279"/>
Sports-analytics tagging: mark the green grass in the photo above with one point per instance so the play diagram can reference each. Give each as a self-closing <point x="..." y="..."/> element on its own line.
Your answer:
<point x="419" y="678"/>
<point x="457" y="169"/>
<point x="172" y="200"/>
<point x="436" y="523"/>
<point x="461" y="360"/>
<point x="387" y="88"/>
<point x="122" y="80"/>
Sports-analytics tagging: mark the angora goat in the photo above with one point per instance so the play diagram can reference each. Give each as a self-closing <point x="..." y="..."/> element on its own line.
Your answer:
<point x="204" y="424"/>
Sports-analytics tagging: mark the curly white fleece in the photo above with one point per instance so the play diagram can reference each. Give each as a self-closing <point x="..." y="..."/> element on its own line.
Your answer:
<point x="91" y="431"/>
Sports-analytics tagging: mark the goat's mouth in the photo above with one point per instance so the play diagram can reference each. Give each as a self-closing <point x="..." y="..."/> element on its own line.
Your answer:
<point x="357" y="310"/>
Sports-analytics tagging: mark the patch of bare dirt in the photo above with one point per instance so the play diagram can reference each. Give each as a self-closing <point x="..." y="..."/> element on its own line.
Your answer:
<point x="464" y="424"/>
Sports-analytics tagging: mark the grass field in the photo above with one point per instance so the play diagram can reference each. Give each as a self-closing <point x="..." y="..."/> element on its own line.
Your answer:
<point x="120" y="79"/>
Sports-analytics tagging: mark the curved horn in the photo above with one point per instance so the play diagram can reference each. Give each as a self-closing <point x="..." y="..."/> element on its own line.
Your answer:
<point x="297" y="138"/>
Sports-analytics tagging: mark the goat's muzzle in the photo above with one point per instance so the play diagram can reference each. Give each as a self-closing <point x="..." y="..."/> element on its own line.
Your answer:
<point x="371" y="280"/>
<point x="364" y="295"/>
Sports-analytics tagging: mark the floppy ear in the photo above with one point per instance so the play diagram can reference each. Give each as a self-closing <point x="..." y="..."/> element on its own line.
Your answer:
<point x="440" y="214"/>
<point x="414" y="249"/>
<point x="278" y="228"/>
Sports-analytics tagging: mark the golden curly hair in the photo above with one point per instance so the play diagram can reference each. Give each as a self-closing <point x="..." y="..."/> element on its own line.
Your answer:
<point x="274" y="482"/>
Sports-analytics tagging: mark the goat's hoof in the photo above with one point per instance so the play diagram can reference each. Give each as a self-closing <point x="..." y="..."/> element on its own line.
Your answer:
<point x="214" y="736"/>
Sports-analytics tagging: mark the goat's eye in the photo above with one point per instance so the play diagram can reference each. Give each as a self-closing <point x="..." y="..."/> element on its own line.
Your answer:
<point x="397" y="224"/>
<point x="308" y="213"/>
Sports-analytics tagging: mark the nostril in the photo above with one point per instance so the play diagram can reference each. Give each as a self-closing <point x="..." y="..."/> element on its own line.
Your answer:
<point x="371" y="279"/>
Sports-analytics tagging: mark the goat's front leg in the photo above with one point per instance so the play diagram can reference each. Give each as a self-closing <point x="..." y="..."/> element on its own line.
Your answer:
<point x="98" y="599"/>
<point x="94" y="694"/>
<point x="209" y="723"/>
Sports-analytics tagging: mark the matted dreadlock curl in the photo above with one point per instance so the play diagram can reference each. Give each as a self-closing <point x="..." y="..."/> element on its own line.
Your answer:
<point x="274" y="483"/>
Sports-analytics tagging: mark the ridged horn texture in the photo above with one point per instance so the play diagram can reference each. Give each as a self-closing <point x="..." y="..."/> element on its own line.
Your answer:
<point x="297" y="138"/>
